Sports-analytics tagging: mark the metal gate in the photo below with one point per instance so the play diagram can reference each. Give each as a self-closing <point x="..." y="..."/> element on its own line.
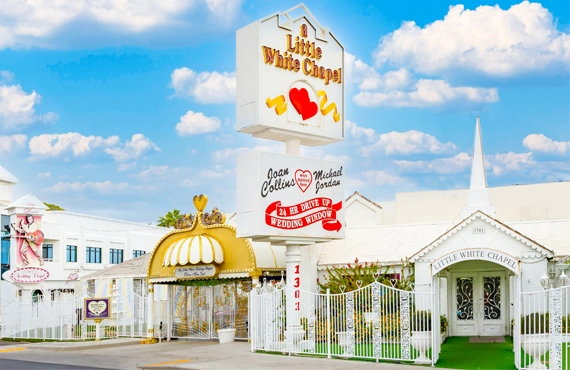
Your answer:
<point x="542" y="330"/>
<point x="198" y="312"/>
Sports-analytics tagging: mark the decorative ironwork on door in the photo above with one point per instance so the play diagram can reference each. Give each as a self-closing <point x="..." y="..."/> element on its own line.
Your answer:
<point x="492" y="298"/>
<point x="464" y="296"/>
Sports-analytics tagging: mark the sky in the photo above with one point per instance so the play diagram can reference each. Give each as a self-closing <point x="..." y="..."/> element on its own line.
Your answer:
<point x="126" y="108"/>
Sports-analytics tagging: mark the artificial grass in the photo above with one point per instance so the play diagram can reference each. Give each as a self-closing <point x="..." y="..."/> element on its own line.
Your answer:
<point x="458" y="353"/>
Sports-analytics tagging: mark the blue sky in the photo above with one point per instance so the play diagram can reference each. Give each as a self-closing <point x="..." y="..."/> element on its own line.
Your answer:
<point x="126" y="109"/>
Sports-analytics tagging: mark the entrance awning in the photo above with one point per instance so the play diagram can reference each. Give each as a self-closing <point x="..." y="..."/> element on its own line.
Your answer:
<point x="204" y="246"/>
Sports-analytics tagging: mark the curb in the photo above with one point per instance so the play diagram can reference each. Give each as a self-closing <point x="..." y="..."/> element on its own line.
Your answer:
<point x="75" y="347"/>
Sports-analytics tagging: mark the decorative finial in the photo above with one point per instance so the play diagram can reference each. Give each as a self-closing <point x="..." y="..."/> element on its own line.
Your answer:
<point x="200" y="202"/>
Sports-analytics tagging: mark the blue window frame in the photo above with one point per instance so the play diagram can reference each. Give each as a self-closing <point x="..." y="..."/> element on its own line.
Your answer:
<point x="138" y="253"/>
<point x="47" y="252"/>
<point x="93" y="255"/>
<point x="116" y="256"/>
<point x="71" y="253"/>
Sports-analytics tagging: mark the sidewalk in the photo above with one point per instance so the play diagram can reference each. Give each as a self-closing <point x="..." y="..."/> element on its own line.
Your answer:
<point x="204" y="355"/>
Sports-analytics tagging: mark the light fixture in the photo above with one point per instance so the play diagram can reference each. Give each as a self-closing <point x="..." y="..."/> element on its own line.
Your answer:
<point x="544" y="281"/>
<point x="563" y="278"/>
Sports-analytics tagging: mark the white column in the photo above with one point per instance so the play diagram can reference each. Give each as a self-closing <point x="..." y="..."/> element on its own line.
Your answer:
<point x="150" y="317"/>
<point x="293" y="255"/>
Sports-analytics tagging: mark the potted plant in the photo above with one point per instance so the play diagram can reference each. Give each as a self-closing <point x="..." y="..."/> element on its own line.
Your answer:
<point x="421" y="336"/>
<point x="535" y="331"/>
<point x="226" y="335"/>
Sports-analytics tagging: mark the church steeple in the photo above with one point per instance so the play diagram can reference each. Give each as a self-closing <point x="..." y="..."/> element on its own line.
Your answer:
<point x="478" y="178"/>
<point x="478" y="197"/>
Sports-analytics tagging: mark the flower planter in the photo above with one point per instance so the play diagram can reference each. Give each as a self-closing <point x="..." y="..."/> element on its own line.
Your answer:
<point x="535" y="345"/>
<point x="226" y="335"/>
<point x="421" y="341"/>
<point x="342" y="337"/>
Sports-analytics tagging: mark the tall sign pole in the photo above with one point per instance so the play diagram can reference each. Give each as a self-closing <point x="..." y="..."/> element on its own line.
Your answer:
<point x="290" y="88"/>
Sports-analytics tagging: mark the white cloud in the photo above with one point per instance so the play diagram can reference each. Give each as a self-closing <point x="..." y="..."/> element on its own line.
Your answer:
<point x="17" y="107"/>
<point x="153" y="172"/>
<point x="11" y="142"/>
<point x="541" y="143"/>
<point x="428" y="93"/>
<point x="382" y="178"/>
<point x="122" y="167"/>
<point x="44" y="175"/>
<point x="6" y="76"/>
<point x="204" y="87"/>
<point x="509" y="162"/>
<point x="488" y="39"/>
<point x="357" y="132"/>
<point x="26" y="23"/>
<point x="456" y="164"/>
<point x="209" y="174"/>
<point x="196" y="123"/>
<point x="53" y="145"/>
<point x="99" y="187"/>
<point x="409" y="142"/>
<point x="132" y="149"/>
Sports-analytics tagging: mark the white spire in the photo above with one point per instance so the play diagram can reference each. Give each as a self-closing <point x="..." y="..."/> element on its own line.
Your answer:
<point x="478" y="198"/>
<point x="478" y="179"/>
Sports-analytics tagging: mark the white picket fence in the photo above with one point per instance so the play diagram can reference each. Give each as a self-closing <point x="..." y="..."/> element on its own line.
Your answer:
<point x="543" y="330"/>
<point x="375" y="322"/>
<point x="59" y="316"/>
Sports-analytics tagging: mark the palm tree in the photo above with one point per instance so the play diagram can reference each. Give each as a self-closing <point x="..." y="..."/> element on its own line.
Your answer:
<point x="169" y="220"/>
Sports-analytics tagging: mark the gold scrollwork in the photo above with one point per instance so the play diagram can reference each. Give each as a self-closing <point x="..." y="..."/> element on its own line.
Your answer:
<point x="216" y="217"/>
<point x="184" y="222"/>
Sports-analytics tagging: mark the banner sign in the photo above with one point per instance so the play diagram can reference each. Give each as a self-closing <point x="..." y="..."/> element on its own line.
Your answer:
<point x="280" y="195"/>
<point x="304" y="63"/>
<point x="202" y="271"/>
<point x="481" y="254"/>
<point x="97" y="308"/>
<point x="30" y="275"/>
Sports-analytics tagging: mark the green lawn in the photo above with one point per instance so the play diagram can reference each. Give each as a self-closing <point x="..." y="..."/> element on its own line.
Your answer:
<point x="458" y="353"/>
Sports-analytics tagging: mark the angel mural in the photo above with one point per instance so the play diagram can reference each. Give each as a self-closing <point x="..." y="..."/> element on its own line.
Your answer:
<point x="32" y="238"/>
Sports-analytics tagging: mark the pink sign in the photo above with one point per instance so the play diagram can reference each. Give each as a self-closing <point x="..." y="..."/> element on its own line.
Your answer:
<point x="30" y="275"/>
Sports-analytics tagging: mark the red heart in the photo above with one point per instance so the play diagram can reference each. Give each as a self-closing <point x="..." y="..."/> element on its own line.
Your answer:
<point x="302" y="103"/>
<point x="303" y="178"/>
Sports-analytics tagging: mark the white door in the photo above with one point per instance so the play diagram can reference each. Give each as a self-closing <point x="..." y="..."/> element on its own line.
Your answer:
<point x="478" y="302"/>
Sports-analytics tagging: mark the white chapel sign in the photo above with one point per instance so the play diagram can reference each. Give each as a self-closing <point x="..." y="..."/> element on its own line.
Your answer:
<point x="202" y="271"/>
<point x="481" y="254"/>
<point x="290" y="80"/>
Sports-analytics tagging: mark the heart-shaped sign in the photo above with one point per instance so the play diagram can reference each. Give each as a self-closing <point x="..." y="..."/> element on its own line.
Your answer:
<point x="97" y="307"/>
<point x="303" y="178"/>
<point x="302" y="103"/>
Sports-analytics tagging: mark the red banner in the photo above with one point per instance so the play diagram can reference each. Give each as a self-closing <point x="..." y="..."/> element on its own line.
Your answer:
<point x="323" y="210"/>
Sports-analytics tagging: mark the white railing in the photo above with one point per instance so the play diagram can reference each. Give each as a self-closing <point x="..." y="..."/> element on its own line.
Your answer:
<point x="375" y="321"/>
<point x="543" y="328"/>
<point x="59" y="316"/>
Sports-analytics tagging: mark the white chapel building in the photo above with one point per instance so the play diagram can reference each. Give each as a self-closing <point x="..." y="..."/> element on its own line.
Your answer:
<point x="480" y="242"/>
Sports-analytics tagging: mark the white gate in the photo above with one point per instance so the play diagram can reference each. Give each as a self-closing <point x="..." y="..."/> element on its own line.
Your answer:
<point x="200" y="311"/>
<point x="543" y="330"/>
<point x="376" y="321"/>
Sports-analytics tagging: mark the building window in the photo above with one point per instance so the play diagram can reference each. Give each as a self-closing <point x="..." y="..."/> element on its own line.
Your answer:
<point x="47" y="252"/>
<point x="138" y="253"/>
<point x="71" y="253"/>
<point x="93" y="255"/>
<point x="116" y="256"/>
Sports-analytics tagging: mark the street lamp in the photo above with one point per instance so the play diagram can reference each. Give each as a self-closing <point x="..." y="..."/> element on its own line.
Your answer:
<point x="544" y="281"/>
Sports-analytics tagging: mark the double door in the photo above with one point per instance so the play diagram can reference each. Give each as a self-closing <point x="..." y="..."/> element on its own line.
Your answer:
<point x="478" y="304"/>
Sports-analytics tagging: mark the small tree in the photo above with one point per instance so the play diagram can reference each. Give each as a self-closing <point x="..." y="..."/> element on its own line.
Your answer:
<point x="358" y="275"/>
<point x="53" y="207"/>
<point x="169" y="220"/>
